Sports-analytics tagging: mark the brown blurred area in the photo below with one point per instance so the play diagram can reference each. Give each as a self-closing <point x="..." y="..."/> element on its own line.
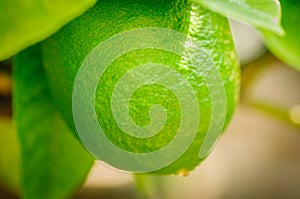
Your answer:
<point x="5" y="110"/>
<point x="5" y="88"/>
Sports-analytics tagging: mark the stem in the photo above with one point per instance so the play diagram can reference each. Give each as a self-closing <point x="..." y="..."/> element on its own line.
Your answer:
<point x="149" y="187"/>
<point x="274" y="111"/>
<point x="141" y="183"/>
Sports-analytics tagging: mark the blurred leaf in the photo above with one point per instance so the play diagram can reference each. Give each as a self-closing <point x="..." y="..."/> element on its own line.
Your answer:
<point x="54" y="164"/>
<point x="287" y="48"/>
<point x="264" y="14"/>
<point x="25" y="22"/>
<point x="9" y="155"/>
<point x="273" y="110"/>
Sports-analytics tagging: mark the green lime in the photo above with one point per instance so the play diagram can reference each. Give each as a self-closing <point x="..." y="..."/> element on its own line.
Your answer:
<point x="65" y="51"/>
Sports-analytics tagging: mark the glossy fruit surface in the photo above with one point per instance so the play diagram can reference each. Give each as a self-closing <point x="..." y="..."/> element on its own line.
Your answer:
<point x="65" y="51"/>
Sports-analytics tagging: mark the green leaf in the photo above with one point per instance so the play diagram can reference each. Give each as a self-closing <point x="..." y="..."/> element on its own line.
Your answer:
<point x="287" y="47"/>
<point x="9" y="155"/>
<point x="264" y="14"/>
<point x="54" y="164"/>
<point x="25" y="22"/>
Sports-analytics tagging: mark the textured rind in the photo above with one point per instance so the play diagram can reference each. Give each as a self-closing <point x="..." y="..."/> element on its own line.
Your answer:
<point x="65" y="51"/>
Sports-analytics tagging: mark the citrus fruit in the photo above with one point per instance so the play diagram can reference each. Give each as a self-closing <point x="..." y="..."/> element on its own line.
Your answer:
<point x="65" y="52"/>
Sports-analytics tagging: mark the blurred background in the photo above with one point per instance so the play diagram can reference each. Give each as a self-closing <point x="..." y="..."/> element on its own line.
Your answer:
<point x="257" y="157"/>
